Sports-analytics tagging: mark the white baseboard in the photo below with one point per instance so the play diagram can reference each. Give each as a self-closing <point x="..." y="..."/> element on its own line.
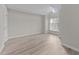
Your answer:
<point x="23" y="35"/>
<point x="1" y="48"/>
<point x="73" y="48"/>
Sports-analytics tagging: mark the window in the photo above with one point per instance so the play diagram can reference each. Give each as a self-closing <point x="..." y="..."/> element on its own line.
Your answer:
<point x="53" y="24"/>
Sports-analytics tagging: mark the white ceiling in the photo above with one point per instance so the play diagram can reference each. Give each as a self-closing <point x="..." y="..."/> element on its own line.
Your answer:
<point x="41" y="9"/>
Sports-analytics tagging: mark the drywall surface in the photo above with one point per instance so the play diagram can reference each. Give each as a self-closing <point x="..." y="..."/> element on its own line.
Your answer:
<point x="20" y="23"/>
<point x="3" y="25"/>
<point x="69" y="25"/>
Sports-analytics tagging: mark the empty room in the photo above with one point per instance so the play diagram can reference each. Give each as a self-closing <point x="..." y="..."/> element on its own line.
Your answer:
<point x="39" y="29"/>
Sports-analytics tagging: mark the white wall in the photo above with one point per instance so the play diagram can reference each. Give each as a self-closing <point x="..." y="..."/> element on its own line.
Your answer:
<point x="3" y="26"/>
<point x="20" y="23"/>
<point x="46" y="23"/>
<point x="69" y="25"/>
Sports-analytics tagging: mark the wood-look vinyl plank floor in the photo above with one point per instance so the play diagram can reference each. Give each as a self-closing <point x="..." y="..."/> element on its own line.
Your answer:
<point x="42" y="44"/>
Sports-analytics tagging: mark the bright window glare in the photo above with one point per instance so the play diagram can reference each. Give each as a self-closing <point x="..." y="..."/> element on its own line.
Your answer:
<point x="51" y="20"/>
<point x="54" y="20"/>
<point x="52" y="10"/>
<point x="54" y="24"/>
